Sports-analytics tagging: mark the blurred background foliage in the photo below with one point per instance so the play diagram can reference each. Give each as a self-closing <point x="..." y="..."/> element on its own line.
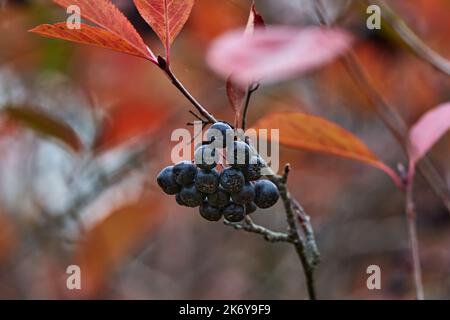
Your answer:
<point x="84" y="131"/>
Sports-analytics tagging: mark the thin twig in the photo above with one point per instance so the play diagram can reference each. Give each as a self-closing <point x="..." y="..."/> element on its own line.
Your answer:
<point x="413" y="238"/>
<point x="269" y="235"/>
<point x="196" y="116"/>
<point x="250" y="90"/>
<point x="164" y="67"/>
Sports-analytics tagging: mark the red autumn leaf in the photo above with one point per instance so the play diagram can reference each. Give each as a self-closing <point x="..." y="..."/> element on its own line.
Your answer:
<point x="275" y="53"/>
<point x="110" y="241"/>
<point x="103" y="13"/>
<point x="427" y="131"/>
<point x="312" y="133"/>
<point x="44" y="124"/>
<point x="88" y="35"/>
<point x="166" y="17"/>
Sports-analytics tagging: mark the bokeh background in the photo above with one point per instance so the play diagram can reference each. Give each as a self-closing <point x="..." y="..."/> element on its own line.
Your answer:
<point x="92" y="201"/>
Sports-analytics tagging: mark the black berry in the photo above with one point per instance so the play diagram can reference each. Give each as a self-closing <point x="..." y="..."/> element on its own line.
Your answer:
<point x="209" y="212"/>
<point x="205" y="157"/>
<point x="232" y="180"/>
<point x="191" y="197"/>
<point x="207" y="181"/>
<point x="178" y="200"/>
<point x="184" y="173"/>
<point x="246" y="195"/>
<point x="234" y="212"/>
<point x="166" y="180"/>
<point x="218" y="134"/>
<point x="266" y="194"/>
<point x="252" y="171"/>
<point x="238" y="154"/>
<point x="219" y="199"/>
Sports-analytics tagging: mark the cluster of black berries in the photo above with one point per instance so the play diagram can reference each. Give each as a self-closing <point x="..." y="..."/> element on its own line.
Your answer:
<point x="234" y="192"/>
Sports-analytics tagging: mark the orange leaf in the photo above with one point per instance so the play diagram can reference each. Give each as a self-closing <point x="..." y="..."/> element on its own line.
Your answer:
<point x="166" y="17"/>
<point x="111" y="240"/>
<point x="88" y="35"/>
<point x="107" y="16"/>
<point x="312" y="133"/>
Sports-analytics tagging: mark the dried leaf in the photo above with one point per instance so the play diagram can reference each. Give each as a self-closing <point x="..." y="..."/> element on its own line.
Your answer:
<point x="166" y="17"/>
<point x="45" y="124"/>
<point x="312" y="133"/>
<point x="275" y="53"/>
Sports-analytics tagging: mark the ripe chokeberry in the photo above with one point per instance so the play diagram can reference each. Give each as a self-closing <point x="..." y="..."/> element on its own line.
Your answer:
<point x="185" y="173"/>
<point x="246" y="195"/>
<point x="178" y="200"/>
<point x="209" y="212"/>
<point x="234" y="212"/>
<point x="219" y="199"/>
<point x="191" y="197"/>
<point x="232" y="180"/>
<point x="252" y="171"/>
<point x="218" y="134"/>
<point x="205" y="157"/>
<point x="238" y="154"/>
<point x="207" y="181"/>
<point x="266" y="194"/>
<point x="166" y="180"/>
